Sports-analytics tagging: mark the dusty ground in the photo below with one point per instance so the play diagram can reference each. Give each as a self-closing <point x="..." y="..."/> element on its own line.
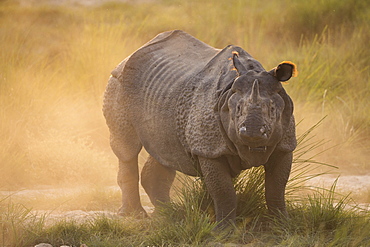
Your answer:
<point x="358" y="186"/>
<point x="51" y="203"/>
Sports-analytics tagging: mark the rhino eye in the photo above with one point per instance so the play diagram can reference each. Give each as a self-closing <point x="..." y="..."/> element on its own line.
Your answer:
<point x="274" y="114"/>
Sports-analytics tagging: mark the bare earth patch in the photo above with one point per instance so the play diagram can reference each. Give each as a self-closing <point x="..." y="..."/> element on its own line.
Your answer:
<point x="357" y="186"/>
<point x="53" y="203"/>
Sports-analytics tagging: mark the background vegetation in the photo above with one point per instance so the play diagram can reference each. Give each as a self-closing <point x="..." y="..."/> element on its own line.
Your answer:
<point x="55" y="61"/>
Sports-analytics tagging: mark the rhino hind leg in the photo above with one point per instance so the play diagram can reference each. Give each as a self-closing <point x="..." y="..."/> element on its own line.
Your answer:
<point x="126" y="146"/>
<point x="156" y="180"/>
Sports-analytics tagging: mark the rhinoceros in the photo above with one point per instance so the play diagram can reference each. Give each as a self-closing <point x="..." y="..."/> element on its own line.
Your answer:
<point x="201" y="111"/>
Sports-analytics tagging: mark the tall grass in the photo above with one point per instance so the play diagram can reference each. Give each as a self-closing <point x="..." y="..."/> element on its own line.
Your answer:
<point x="18" y="227"/>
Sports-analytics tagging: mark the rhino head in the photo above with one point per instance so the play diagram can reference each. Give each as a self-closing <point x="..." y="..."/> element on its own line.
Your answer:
<point x="256" y="111"/>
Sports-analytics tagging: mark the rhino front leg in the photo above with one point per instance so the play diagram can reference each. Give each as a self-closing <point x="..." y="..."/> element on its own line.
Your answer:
<point x="277" y="171"/>
<point x="218" y="180"/>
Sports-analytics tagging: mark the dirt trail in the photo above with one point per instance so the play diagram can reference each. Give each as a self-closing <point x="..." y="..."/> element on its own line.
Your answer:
<point x="64" y="196"/>
<point x="358" y="186"/>
<point x="354" y="184"/>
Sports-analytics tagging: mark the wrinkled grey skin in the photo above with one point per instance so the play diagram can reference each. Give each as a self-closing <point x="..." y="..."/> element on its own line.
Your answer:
<point x="201" y="111"/>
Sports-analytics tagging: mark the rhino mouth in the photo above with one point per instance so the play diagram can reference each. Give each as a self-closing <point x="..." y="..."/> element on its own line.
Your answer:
<point x="260" y="149"/>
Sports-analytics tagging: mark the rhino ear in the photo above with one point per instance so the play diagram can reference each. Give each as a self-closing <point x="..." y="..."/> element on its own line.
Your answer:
<point x="284" y="71"/>
<point x="238" y="65"/>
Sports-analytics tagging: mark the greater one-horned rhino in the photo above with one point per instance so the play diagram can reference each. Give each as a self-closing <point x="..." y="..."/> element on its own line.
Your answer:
<point x="201" y="111"/>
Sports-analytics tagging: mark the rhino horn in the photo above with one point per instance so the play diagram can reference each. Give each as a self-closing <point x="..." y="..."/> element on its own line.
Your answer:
<point x="255" y="95"/>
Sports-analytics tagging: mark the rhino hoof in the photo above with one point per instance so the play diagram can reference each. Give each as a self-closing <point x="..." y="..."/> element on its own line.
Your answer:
<point x="138" y="213"/>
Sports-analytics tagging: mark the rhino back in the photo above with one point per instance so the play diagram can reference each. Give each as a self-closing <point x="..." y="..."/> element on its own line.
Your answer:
<point x="155" y="75"/>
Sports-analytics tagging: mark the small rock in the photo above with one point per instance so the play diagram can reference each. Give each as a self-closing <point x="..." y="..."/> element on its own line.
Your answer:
<point x="43" y="245"/>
